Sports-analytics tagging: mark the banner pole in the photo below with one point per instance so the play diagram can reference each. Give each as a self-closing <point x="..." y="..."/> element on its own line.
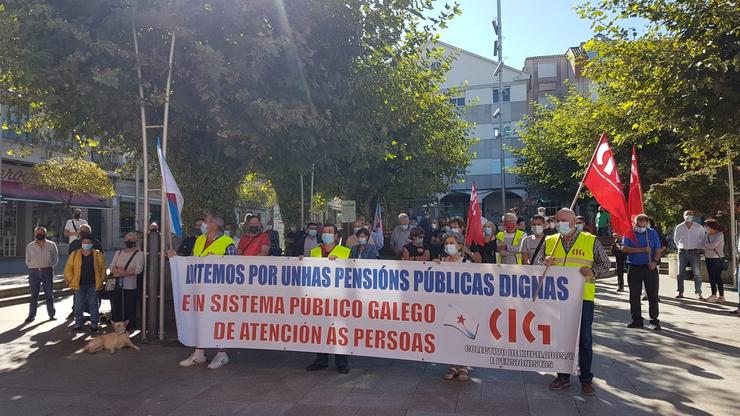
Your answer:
<point x="572" y="205"/>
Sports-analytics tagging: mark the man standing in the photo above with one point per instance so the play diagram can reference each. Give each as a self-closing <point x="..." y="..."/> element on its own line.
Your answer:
<point x="532" y="246"/>
<point x="72" y="227"/>
<point x="254" y="242"/>
<point x="306" y="240"/>
<point x="602" y="222"/>
<point x="212" y="242"/>
<point x="274" y="238"/>
<point x="41" y="258"/>
<point x="643" y="258"/>
<point x="582" y="250"/>
<point x="400" y="234"/>
<point x="358" y="225"/>
<point x="331" y="250"/>
<point x="688" y="238"/>
<point x="509" y="240"/>
<point x="186" y="247"/>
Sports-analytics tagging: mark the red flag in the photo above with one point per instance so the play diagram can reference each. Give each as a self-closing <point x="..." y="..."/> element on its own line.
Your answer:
<point x="602" y="179"/>
<point x="634" y="200"/>
<point x="474" y="231"/>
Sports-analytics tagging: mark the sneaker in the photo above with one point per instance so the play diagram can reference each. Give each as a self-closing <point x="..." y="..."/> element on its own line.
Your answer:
<point x="636" y="325"/>
<point x="656" y="325"/>
<point x="218" y="361"/>
<point x="560" y="384"/>
<point x="679" y="296"/>
<point x="588" y="389"/>
<point x="29" y="319"/>
<point x="52" y="318"/>
<point x="700" y="297"/>
<point x="620" y="289"/>
<point x="712" y="299"/>
<point x="721" y="299"/>
<point x="196" y="358"/>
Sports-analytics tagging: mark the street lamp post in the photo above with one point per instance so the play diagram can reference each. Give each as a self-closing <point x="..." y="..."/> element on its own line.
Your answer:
<point x="499" y="69"/>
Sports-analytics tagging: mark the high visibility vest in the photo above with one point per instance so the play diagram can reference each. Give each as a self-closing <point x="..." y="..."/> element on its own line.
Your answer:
<point x="339" y="251"/>
<point x="218" y="247"/>
<point x="518" y="236"/>
<point x="581" y="254"/>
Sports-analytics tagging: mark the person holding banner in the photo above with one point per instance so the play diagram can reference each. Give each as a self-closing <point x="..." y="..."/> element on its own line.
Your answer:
<point x="532" y="246"/>
<point x="416" y="250"/>
<point x="254" y="242"/>
<point x="510" y="240"/>
<point x="364" y="248"/>
<point x="331" y="250"/>
<point x="573" y="248"/>
<point x="212" y="243"/>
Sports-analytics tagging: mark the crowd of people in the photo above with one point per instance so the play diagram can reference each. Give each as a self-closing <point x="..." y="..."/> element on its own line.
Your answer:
<point x="564" y="239"/>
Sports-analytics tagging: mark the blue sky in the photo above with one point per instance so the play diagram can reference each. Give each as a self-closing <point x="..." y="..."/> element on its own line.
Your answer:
<point x="530" y="28"/>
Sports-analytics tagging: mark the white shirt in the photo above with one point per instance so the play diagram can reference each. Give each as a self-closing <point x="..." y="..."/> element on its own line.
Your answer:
<point x="713" y="246"/>
<point x="137" y="264"/>
<point x="688" y="238"/>
<point x="74" y="226"/>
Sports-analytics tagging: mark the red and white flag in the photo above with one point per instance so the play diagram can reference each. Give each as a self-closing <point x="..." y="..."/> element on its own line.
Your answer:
<point x="602" y="179"/>
<point x="474" y="231"/>
<point x="634" y="200"/>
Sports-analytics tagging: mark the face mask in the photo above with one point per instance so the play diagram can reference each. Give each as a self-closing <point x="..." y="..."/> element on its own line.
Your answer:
<point x="455" y="230"/>
<point x="640" y="229"/>
<point x="356" y="229"/>
<point x="419" y="241"/>
<point x="404" y="227"/>
<point x="451" y="249"/>
<point x="227" y="232"/>
<point x="77" y="216"/>
<point x="312" y="233"/>
<point x="87" y="247"/>
<point x="510" y="227"/>
<point x="447" y="228"/>
<point x="488" y="231"/>
<point x="253" y="229"/>
<point x="362" y="241"/>
<point x="538" y="229"/>
<point x="130" y="244"/>
<point x="579" y="227"/>
<point x="564" y="228"/>
<point x="434" y="226"/>
<point x="204" y="228"/>
<point x="41" y="237"/>
<point x="689" y="218"/>
<point x="327" y="238"/>
<point x="551" y="225"/>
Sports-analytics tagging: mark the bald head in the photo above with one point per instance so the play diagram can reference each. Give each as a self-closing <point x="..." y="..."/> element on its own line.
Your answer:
<point x="569" y="216"/>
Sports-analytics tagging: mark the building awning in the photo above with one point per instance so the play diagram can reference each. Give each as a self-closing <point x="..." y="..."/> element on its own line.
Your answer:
<point x="15" y="191"/>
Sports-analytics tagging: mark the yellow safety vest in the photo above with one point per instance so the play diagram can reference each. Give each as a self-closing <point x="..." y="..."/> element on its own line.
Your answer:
<point x="581" y="254"/>
<point x="518" y="235"/>
<point x="217" y="247"/>
<point x="339" y="251"/>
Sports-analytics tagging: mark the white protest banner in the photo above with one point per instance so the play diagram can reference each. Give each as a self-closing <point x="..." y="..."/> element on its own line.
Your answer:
<point x="458" y="313"/>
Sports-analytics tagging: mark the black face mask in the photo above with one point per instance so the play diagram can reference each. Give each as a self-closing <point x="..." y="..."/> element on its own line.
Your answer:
<point x="130" y="244"/>
<point x="253" y="229"/>
<point x="41" y="237"/>
<point x="77" y="216"/>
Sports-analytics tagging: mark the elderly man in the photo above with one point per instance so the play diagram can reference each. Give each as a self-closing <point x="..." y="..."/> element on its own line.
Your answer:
<point x="643" y="258"/>
<point x="358" y="225"/>
<point x="510" y="240"/>
<point x="212" y="243"/>
<point x="400" y="234"/>
<point x="573" y="248"/>
<point x="41" y="258"/>
<point x="688" y="238"/>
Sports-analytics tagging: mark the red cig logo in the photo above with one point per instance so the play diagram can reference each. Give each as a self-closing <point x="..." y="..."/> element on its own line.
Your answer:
<point x="511" y="326"/>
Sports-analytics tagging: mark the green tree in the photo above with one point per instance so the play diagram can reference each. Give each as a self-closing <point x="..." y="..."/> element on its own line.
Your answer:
<point x="72" y="177"/>
<point x="256" y="191"/>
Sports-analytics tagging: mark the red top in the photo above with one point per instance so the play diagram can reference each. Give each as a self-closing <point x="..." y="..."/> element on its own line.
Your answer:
<point x="251" y="246"/>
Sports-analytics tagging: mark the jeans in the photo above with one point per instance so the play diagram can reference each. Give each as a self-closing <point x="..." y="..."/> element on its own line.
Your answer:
<point x="685" y="258"/>
<point x="636" y="277"/>
<point x="35" y="279"/>
<point x="123" y="306"/>
<point x="714" y="268"/>
<point x="585" y="344"/>
<point x="86" y="296"/>
<point x="340" y="360"/>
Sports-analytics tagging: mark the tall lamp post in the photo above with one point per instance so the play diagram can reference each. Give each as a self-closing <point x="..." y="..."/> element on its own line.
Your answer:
<point x="498" y="113"/>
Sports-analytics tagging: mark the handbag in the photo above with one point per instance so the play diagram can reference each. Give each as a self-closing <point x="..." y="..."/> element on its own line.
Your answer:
<point x="725" y="265"/>
<point x="114" y="284"/>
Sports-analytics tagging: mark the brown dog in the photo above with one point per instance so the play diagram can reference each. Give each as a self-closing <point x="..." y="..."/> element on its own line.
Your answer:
<point x="116" y="340"/>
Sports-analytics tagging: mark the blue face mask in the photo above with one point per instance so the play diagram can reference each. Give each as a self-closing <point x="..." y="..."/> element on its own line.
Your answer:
<point x="564" y="228"/>
<point x="312" y="233"/>
<point x="203" y="228"/>
<point x="488" y="231"/>
<point x="327" y="238"/>
<point x="87" y="247"/>
<point x="362" y="241"/>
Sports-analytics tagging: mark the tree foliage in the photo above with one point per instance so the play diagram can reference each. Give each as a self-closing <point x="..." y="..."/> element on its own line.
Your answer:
<point x="71" y="177"/>
<point x="263" y="86"/>
<point x="256" y="191"/>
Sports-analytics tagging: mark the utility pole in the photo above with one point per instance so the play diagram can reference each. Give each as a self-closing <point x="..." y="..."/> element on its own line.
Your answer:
<point x="499" y="112"/>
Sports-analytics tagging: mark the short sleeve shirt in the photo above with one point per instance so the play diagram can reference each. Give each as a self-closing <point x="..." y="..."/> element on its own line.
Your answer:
<point x="252" y="245"/>
<point x="74" y="226"/>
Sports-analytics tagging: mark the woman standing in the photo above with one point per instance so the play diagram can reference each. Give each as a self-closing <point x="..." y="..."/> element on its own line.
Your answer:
<point x="416" y="250"/>
<point x="488" y="250"/>
<point x="126" y="265"/>
<point x="713" y="246"/>
<point x="453" y="246"/>
<point x="363" y="249"/>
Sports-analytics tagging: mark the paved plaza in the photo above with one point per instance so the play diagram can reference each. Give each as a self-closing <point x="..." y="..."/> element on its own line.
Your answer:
<point x="692" y="367"/>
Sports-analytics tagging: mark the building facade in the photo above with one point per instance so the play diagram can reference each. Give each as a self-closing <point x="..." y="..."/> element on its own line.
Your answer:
<point x="474" y="76"/>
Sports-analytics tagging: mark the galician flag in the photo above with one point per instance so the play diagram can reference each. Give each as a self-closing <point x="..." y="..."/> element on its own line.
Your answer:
<point x="172" y="193"/>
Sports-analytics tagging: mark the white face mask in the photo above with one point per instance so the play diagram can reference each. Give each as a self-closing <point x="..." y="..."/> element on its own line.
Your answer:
<point x="455" y="230"/>
<point x="551" y="225"/>
<point x="404" y="227"/>
<point x="538" y="229"/>
<point x="434" y="226"/>
<point x="362" y="241"/>
<point x="640" y="229"/>
<point x="579" y="227"/>
<point x="688" y="218"/>
<point x="451" y="249"/>
<point x="564" y="228"/>
<point x="228" y="232"/>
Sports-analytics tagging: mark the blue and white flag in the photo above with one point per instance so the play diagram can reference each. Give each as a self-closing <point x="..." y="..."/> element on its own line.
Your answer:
<point x="172" y="193"/>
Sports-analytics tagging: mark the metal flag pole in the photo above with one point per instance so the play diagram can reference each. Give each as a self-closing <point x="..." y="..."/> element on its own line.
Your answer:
<point x="164" y="226"/>
<point x="560" y="236"/>
<point x="498" y="49"/>
<point x="733" y="219"/>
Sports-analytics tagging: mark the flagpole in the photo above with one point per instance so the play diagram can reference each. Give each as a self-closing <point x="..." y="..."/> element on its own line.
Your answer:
<point x="572" y="205"/>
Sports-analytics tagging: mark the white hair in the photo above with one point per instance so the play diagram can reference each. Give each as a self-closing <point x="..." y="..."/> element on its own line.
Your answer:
<point x="403" y="216"/>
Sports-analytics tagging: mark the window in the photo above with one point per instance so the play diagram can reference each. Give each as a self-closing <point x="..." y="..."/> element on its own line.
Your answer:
<point x="547" y="69"/>
<point x="459" y="102"/>
<point x="507" y="94"/>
